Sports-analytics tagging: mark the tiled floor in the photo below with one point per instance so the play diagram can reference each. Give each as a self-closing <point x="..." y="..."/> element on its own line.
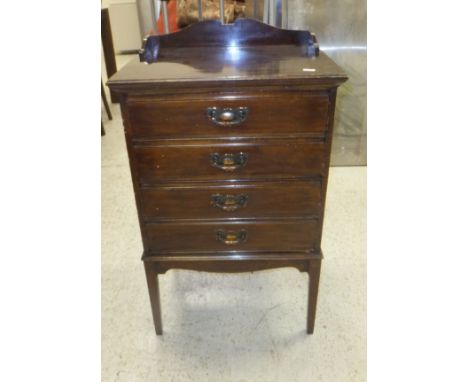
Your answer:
<point x="240" y="327"/>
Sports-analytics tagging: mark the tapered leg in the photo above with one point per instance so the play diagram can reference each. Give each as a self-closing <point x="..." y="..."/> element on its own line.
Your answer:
<point x="153" y="289"/>
<point x="314" y="277"/>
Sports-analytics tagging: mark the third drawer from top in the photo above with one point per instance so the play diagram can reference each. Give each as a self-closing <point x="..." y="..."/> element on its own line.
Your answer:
<point x="232" y="201"/>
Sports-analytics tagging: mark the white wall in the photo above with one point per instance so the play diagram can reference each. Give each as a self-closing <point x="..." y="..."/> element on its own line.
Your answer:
<point x="125" y="24"/>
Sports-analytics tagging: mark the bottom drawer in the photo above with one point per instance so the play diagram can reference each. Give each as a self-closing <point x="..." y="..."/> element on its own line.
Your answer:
<point x="277" y="236"/>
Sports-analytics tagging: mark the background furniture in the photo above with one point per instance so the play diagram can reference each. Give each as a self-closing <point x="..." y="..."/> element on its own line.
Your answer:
<point x="229" y="138"/>
<point x="108" y="48"/>
<point x="106" y="105"/>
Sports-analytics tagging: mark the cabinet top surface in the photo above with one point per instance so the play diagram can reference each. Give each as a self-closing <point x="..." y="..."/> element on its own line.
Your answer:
<point x="228" y="65"/>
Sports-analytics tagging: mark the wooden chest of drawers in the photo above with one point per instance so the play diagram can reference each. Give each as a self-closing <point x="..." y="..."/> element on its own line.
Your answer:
<point x="229" y="151"/>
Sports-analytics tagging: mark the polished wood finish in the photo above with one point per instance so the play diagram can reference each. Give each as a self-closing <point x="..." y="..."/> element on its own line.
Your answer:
<point x="153" y="288"/>
<point x="242" y="32"/>
<point x="267" y="199"/>
<point x="298" y="235"/>
<point x="263" y="70"/>
<point x="267" y="115"/>
<point x="229" y="152"/>
<point x="314" y="278"/>
<point x="189" y="161"/>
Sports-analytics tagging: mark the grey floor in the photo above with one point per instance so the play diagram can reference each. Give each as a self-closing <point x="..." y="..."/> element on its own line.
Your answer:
<point x="241" y="327"/>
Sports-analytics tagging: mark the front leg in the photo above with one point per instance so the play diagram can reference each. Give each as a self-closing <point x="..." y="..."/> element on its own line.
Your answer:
<point x="314" y="277"/>
<point x="153" y="289"/>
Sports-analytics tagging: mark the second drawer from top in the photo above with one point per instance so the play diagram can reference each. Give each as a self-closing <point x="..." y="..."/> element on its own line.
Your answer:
<point x="238" y="161"/>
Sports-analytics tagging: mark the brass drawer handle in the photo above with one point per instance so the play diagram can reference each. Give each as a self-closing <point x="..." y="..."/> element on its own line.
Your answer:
<point x="228" y="162"/>
<point x="231" y="237"/>
<point x="227" y="116"/>
<point x="229" y="202"/>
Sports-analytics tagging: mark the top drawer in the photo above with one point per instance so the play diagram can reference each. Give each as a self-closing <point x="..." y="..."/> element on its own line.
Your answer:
<point x="239" y="116"/>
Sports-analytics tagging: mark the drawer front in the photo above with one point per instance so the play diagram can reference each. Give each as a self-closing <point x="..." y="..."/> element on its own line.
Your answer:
<point x="263" y="200"/>
<point x="288" y="113"/>
<point x="280" y="236"/>
<point x="230" y="161"/>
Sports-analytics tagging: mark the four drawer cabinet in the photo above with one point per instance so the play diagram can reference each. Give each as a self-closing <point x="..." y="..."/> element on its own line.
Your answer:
<point x="229" y="150"/>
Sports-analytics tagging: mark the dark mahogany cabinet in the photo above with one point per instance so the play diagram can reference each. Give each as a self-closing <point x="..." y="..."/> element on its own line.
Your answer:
<point x="228" y="130"/>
